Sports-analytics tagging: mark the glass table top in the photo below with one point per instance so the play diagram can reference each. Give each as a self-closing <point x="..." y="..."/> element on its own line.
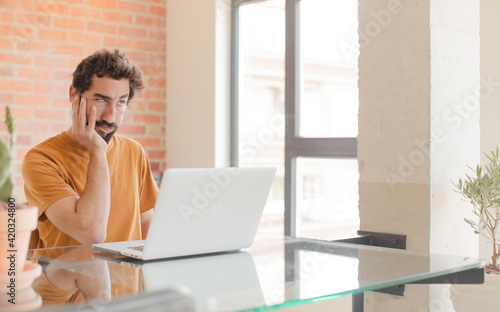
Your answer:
<point x="275" y="272"/>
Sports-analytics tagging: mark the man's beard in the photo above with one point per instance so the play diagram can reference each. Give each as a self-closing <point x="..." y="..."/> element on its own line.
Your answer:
<point x="106" y="137"/>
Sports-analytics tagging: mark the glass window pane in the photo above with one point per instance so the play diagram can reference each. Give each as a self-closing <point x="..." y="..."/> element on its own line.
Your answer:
<point x="327" y="198"/>
<point x="329" y="54"/>
<point x="261" y="99"/>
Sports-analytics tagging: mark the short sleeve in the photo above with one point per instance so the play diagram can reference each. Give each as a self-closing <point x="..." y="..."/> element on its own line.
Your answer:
<point x="43" y="181"/>
<point x="148" y="188"/>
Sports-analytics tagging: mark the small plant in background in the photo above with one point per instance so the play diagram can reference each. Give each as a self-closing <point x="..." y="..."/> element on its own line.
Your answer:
<point x="20" y="219"/>
<point x="6" y="185"/>
<point x="483" y="191"/>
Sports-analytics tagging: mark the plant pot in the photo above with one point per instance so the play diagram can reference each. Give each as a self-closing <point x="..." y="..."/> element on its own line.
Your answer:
<point x="477" y="297"/>
<point x="15" y="234"/>
<point x="26" y="299"/>
<point x="23" y="279"/>
<point x="20" y="290"/>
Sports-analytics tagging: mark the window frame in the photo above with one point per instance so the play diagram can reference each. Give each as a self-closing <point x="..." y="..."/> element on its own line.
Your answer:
<point x="295" y="146"/>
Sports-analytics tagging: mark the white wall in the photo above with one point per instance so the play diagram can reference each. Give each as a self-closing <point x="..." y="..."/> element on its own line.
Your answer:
<point x="490" y="88"/>
<point x="418" y="71"/>
<point x="198" y="84"/>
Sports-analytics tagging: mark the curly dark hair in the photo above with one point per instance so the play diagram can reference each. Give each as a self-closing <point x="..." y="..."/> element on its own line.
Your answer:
<point x="113" y="64"/>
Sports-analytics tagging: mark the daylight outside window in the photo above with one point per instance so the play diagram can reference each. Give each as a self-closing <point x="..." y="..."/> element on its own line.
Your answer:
<point x="326" y="188"/>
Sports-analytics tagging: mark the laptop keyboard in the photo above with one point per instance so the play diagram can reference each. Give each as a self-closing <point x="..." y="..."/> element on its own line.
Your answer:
<point x="139" y="248"/>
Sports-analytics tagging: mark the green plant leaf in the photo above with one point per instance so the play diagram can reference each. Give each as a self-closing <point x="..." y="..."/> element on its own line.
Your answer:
<point x="11" y="126"/>
<point x="470" y="222"/>
<point x="6" y="185"/>
<point x="5" y="161"/>
<point x="6" y="190"/>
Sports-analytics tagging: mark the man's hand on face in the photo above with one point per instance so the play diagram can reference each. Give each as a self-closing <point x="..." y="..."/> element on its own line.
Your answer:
<point x="84" y="132"/>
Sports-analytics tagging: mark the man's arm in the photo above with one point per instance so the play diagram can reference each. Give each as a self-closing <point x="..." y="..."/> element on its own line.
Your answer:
<point x="86" y="218"/>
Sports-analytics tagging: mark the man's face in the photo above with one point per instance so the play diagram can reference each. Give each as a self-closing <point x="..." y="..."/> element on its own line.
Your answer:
<point x="110" y="96"/>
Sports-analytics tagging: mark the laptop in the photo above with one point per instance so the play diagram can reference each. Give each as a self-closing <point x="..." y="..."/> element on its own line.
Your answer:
<point x="202" y="211"/>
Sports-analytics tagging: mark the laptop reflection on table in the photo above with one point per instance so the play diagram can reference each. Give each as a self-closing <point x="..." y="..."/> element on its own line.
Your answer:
<point x="218" y="282"/>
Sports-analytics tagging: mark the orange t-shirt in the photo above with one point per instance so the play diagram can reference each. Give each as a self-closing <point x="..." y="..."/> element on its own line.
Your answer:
<point x="57" y="168"/>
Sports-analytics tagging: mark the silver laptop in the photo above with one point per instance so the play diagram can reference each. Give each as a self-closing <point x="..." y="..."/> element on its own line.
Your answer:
<point x="201" y="211"/>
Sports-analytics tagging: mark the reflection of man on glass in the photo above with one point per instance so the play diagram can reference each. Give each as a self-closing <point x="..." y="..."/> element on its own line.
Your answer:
<point x="90" y="185"/>
<point x="80" y="279"/>
<point x="63" y="282"/>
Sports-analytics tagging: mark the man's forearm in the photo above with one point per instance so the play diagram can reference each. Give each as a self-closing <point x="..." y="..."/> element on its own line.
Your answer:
<point x="93" y="205"/>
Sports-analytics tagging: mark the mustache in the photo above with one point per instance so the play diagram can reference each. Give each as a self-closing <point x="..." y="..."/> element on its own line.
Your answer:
<point x="108" y="136"/>
<point x="102" y="123"/>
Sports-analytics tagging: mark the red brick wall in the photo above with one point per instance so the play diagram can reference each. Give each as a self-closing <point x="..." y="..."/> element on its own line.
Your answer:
<point x="42" y="41"/>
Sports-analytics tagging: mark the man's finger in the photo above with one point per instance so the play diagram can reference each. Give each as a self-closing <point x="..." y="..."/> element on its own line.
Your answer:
<point x="75" y="106"/>
<point x="93" y="118"/>
<point x="82" y="115"/>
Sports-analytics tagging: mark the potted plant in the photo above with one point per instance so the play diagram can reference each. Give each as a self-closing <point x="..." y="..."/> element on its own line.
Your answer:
<point x="482" y="190"/>
<point x="16" y="223"/>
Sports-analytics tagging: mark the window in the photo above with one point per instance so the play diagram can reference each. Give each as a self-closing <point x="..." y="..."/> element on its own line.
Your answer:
<point x="259" y="98"/>
<point x="295" y="104"/>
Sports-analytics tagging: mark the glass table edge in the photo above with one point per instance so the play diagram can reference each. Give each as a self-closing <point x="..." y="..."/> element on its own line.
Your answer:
<point x="480" y="263"/>
<point x="370" y="287"/>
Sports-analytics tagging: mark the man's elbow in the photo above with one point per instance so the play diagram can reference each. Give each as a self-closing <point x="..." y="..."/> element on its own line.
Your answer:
<point x="98" y="239"/>
<point x="92" y="236"/>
